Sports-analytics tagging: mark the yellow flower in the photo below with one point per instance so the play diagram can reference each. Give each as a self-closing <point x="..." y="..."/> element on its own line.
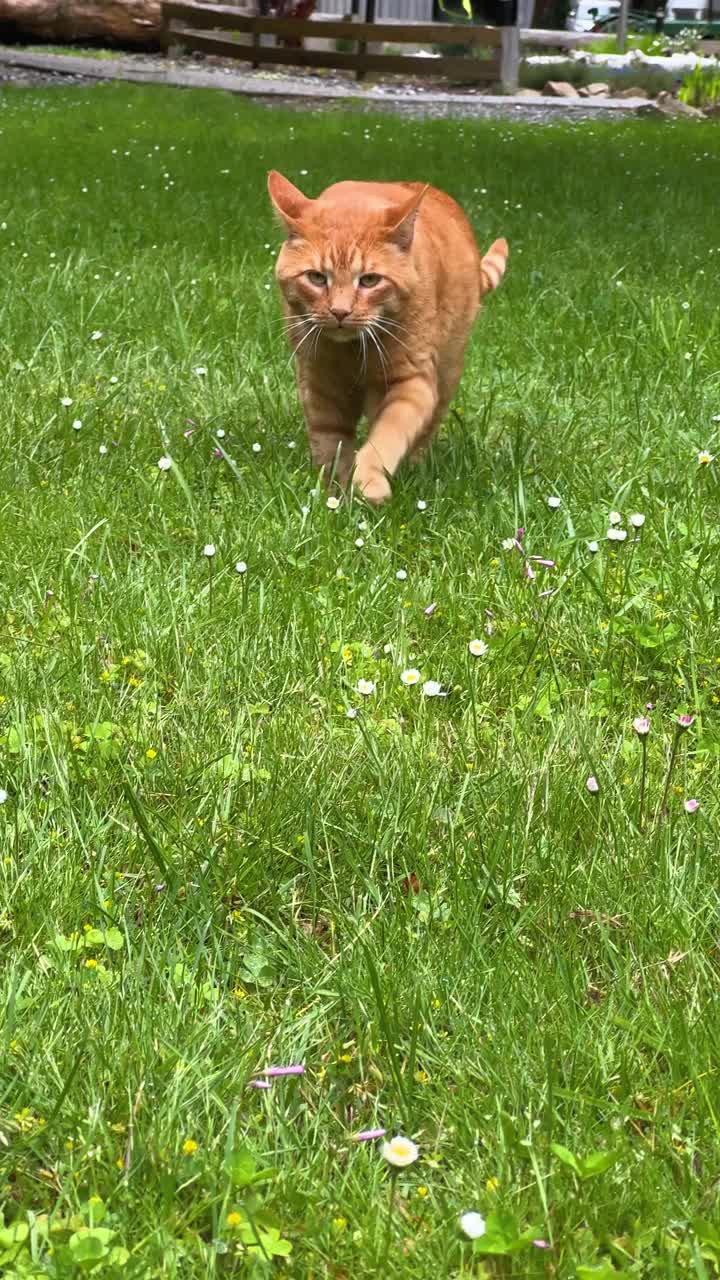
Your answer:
<point x="234" y="1219"/>
<point x="91" y="964"/>
<point x="87" y="927"/>
<point x="189" y="1147"/>
<point x="134" y="682"/>
<point x="119" y="1163"/>
<point x="69" y="1144"/>
<point x="422" y="1192"/>
<point x="339" y="1224"/>
<point x="240" y="993"/>
<point x="345" y="1057"/>
<point x="492" y="1184"/>
<point x="436" y="1004"/>
<point x="150" y="754"/>
<point x="421" y="1077"/>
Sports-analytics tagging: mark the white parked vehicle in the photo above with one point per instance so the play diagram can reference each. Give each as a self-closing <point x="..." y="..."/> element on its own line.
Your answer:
<point x="584" y="14"/>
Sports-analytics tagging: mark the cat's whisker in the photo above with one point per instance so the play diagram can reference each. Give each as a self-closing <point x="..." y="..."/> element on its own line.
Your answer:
<point x="378" y="324"/>
<point x="315" y="329"/>
<point x="383" y="361"/>
<point x="292" y="325"/>
<point x="393" y="324"/>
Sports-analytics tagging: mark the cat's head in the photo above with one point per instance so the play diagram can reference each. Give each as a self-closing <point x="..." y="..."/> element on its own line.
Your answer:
<point x="344" y="267"/>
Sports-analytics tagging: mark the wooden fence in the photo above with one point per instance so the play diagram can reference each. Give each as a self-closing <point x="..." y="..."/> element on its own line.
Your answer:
<point x="199" y="26"/>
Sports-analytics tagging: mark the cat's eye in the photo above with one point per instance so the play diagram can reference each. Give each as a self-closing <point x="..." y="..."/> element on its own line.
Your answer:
<point x="318" y="278"/>
<point x="369" y="280"/>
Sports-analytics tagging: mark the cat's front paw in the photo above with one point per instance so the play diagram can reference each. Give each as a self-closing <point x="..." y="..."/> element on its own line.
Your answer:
<point x="373" y="485"/>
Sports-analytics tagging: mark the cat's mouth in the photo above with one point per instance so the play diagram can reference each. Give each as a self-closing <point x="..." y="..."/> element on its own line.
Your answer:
<point x="342" y="332"/>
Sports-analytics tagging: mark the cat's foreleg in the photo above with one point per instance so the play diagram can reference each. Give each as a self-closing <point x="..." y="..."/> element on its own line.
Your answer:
<point x="402" y="421"/>
<point x="331" y="425"/>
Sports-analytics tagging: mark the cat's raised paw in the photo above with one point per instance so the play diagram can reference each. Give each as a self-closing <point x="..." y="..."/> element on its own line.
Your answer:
<point x="373" y="486"/>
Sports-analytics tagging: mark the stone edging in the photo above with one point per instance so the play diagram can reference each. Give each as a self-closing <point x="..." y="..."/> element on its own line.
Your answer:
<point x="251" y="86"/>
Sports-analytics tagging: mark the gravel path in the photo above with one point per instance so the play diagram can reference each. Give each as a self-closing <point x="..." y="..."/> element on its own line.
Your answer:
<point x="276" y="88"/>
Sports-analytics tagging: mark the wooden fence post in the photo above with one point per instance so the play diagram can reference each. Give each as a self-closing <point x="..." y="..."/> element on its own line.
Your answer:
<point x="362" y="48"/>
<point x="510" y="59"/>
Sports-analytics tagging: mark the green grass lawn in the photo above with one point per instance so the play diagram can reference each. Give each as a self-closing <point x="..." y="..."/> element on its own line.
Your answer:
<point x="208" y="866"/>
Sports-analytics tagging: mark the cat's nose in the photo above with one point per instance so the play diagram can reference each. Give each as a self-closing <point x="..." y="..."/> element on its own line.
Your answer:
<point x="340" y="313"/>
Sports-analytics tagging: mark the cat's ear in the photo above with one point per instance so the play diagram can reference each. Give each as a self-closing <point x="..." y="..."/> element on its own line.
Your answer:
<point x="289" y="203"/>
<point x="401" y="223"/>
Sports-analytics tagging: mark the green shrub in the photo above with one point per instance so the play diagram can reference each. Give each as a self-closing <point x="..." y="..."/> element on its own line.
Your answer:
<point x="701" y="88"/>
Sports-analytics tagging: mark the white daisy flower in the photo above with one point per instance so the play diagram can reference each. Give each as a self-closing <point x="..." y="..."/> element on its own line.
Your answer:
<point x="332" y="503"/>
<point x="257" y="447"/>
<point x="401" y="575"/>
<point x="400" y="1152"/>
<point x="508" y="544"/>
<point x="422" y="504"/>
<point x="473" y="1224"/>
<point x="164" y="463"/>
<point x="241" y="567"/>
<point x="220" y="434"/>
<point x="113" y="379"/>
<point x="365" y="687"/>
<point x="704" y="457"/>
<point x="637" y="519"/>
<point x="3" y="795"/>
<point x="554" y="502"/>
<point x="200" y="370"/>
<point x="478" y="648"/>
<point x="77" y="424"/>
<point x="351" y="713"/>
<point x="209" y="550"/>
<point x="359" y="542"/>
<point x="96" y="335"/>
<point x="411" y="676"/>
<point x="617" y="535"/>
<point x="615" y="517"/>
<point x="102" y="450"/>
<point x="432" y="689"/>
<point x="66" y="401"/>
<point x="593" y="547"/>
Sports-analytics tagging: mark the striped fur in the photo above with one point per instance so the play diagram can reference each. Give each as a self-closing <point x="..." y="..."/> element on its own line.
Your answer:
<point x="492" y="266"/>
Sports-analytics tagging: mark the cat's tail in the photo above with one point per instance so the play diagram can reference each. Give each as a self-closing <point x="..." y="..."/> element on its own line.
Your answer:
<point x="492" y="266"/>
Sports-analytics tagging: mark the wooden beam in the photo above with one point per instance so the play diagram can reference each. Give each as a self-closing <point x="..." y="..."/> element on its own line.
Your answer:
<point x="223" y="17"/>
<point x="473" y="70"/>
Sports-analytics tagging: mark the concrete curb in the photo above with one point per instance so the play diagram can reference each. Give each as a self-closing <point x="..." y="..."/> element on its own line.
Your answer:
<point x="252" y="87"/>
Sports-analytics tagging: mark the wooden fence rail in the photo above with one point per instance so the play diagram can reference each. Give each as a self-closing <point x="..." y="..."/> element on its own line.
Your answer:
<point x="190" y="24"/>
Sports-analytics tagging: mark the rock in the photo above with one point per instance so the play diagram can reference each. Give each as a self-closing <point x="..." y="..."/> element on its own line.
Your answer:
<point x="529" y="93"/>
<point x="670" y="106"/>
<point x="633" y="92"/>
<point x="122" y="22"/>
<point x="560" y="89"/>
<point x="597" y="89"/>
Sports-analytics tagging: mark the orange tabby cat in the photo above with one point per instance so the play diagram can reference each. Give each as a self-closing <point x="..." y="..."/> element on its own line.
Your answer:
<point x="381" y="284"/>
